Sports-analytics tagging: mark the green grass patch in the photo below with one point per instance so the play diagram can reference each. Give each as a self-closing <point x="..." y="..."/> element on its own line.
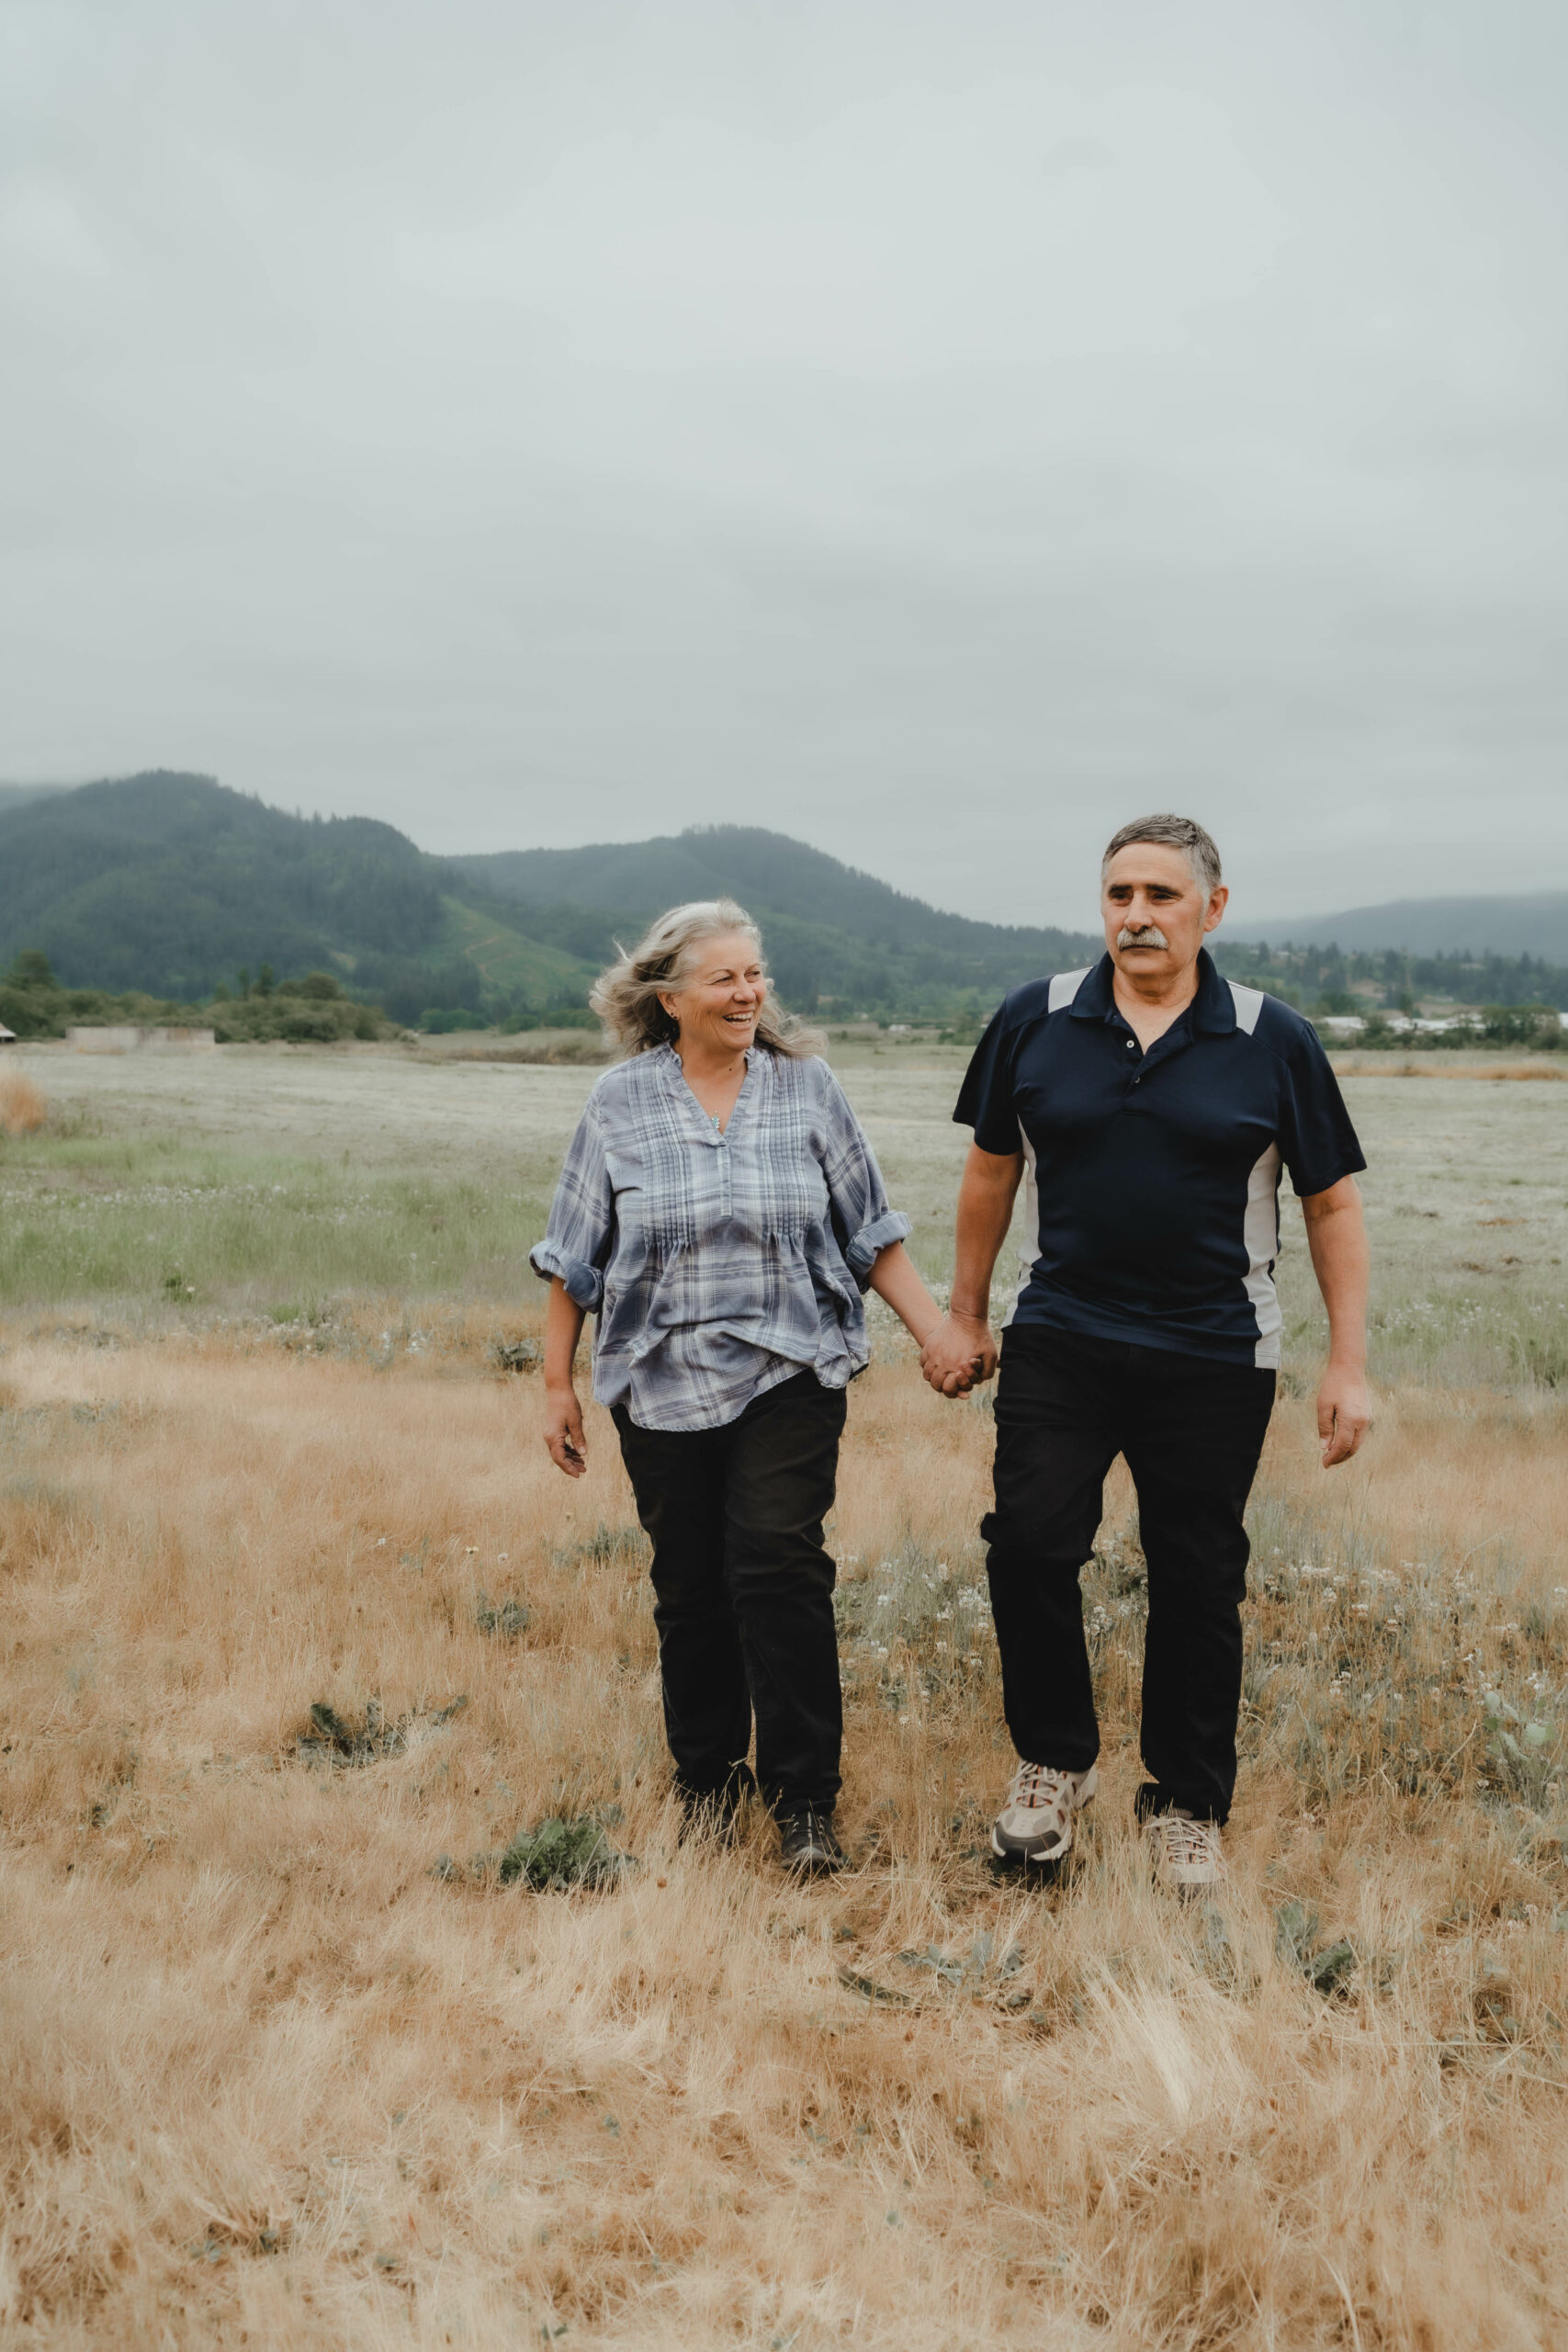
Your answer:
<point x="553" y="1859"/>
<point x="130" y="1221"/>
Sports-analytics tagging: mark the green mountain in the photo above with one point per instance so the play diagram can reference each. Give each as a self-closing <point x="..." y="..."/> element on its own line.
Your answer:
<point x="836" y="938"/>
<point x="170" y="885"/>
<point x="167" y="882"/>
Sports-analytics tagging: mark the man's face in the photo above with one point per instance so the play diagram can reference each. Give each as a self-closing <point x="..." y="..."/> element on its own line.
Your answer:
<point x="1156" y="911"/>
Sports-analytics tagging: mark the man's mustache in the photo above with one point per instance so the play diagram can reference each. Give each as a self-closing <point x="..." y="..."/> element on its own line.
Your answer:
<point x="1150" y="937"/>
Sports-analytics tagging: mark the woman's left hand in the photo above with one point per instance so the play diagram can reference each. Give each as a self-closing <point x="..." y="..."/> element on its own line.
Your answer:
<point x="564" y="1440"/>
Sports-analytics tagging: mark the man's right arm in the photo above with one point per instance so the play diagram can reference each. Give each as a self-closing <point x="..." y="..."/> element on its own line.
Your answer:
<point x="961" y="1350"/>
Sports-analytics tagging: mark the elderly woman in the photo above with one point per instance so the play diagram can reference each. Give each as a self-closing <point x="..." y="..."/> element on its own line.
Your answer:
<point x="720" y="1212"/>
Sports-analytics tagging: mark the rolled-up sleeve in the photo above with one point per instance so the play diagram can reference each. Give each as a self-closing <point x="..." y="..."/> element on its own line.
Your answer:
<point x="863" y="1219"/>
<point x="581" y="1231"/>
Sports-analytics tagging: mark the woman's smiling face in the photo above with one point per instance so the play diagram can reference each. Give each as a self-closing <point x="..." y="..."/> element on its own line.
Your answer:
<point x="723" y="993"/>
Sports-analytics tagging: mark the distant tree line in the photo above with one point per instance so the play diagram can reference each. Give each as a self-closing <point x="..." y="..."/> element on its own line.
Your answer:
<point x="313" y="1009"/>
<point x="1327" y="980"/>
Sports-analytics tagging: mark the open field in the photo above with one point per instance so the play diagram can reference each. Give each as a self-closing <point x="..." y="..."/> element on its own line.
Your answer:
<point x="282" y="1181"/>
<point x="286" y="2062"/>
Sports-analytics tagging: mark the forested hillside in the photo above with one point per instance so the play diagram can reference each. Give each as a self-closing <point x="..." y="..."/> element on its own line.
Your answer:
<point x="174" y="886"/>
<point x="167" y="882"/>
<point x="838" y="940"/>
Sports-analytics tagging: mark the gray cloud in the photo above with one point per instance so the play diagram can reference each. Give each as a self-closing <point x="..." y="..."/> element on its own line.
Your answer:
<point x="938" y="433"/>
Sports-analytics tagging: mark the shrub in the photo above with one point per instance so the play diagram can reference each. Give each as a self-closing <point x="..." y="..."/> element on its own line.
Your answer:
<point x="443" y="1022"/>
<point x="22" y="1109"/>
<point x="28" y="1012"/>
<point x="1520" y="1024"/>
<point x="309" y="1026"/>
<point x="555" y="1857"/>
<point x="295" y="1019"/>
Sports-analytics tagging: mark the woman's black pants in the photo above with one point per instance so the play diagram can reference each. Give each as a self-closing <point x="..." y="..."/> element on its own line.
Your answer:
<point x="743" y="1592"/>
<point x="1191" y="1431"/>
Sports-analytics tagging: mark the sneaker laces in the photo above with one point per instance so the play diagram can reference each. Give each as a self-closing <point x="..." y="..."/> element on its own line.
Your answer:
<point x="1039" y="1788"/>
<point x="1188" y="1844"/>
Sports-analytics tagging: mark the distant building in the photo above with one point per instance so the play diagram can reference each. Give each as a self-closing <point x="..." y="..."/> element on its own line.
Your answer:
<point x="130" y="1041"/>
<point x="189" y="1041"/>
<point x="8" y="1036"/>
<point x="103" y="1041"/>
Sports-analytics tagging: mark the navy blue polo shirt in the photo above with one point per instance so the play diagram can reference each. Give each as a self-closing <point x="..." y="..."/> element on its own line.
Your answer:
<point x="1154" y="1176"/>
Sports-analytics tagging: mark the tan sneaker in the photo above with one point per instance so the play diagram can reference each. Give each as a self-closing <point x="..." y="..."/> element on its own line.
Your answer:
<point x="1035" y="1825"/>
<point x="1186" y="1852"/>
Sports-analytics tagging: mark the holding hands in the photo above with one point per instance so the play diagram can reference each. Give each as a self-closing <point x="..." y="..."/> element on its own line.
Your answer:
<point x="959" y="1353"/>
<point x="960" y="1350"/>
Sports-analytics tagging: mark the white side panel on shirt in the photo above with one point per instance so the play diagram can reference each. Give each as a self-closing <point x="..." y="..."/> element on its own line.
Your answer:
<point x="1248" y="1005"/>
<point x="1064" y="987"/>
<point x="1260" y="1228"/>
<point x="1029" y="1249"/>
<point x="1260" y="1232"/>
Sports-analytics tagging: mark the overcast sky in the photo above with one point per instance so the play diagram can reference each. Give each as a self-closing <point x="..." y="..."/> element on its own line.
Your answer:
<point x="937" y="431"/>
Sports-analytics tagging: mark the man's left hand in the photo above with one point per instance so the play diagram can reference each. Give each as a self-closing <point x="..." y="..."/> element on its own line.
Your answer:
<point x="1344" y="1414"/>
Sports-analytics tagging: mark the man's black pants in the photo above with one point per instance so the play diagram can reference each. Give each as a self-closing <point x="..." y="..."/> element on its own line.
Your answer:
<point x="1191" y="1430"/>
<point x="743" y="1591"/>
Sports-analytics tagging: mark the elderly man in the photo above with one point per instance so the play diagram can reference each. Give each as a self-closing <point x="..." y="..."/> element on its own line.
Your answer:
<point x="1152" y="1105"/>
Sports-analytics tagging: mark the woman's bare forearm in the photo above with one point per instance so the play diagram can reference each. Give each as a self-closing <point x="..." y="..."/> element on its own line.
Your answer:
<point x="563" y="1328"/>
<point x="894" y="1277"/>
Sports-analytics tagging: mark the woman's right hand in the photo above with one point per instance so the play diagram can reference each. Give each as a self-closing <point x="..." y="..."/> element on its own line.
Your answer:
<point x="958" y="1354"/>
<point x="566" y="1446"/>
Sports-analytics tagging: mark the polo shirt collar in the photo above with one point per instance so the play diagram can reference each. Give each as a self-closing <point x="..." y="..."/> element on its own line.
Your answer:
<point x="1212" y="1009"/>
<point x="1096" y="999"/>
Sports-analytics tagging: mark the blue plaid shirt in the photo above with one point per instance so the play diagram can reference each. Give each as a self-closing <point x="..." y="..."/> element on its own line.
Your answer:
<point x="717" y="1265"/>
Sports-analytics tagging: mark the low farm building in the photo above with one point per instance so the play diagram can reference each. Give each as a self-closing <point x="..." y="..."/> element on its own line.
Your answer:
<point x="108" y="1040"/>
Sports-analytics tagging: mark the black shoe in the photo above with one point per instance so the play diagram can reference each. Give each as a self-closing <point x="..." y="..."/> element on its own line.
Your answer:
<point x="807" y="1844"/>
<point x="714" y="1812"/>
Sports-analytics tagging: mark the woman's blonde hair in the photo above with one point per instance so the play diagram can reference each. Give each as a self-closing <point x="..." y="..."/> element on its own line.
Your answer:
<point x="626" y="998"/>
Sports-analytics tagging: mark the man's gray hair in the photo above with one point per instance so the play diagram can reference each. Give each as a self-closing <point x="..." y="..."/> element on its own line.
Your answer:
<point x="1184" y="833"/>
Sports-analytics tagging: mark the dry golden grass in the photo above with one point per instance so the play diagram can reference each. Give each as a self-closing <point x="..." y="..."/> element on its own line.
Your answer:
<point x="22" y="1108"/>
<point x="1446" y="1066"/>
<point x="267" y="2080"/>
